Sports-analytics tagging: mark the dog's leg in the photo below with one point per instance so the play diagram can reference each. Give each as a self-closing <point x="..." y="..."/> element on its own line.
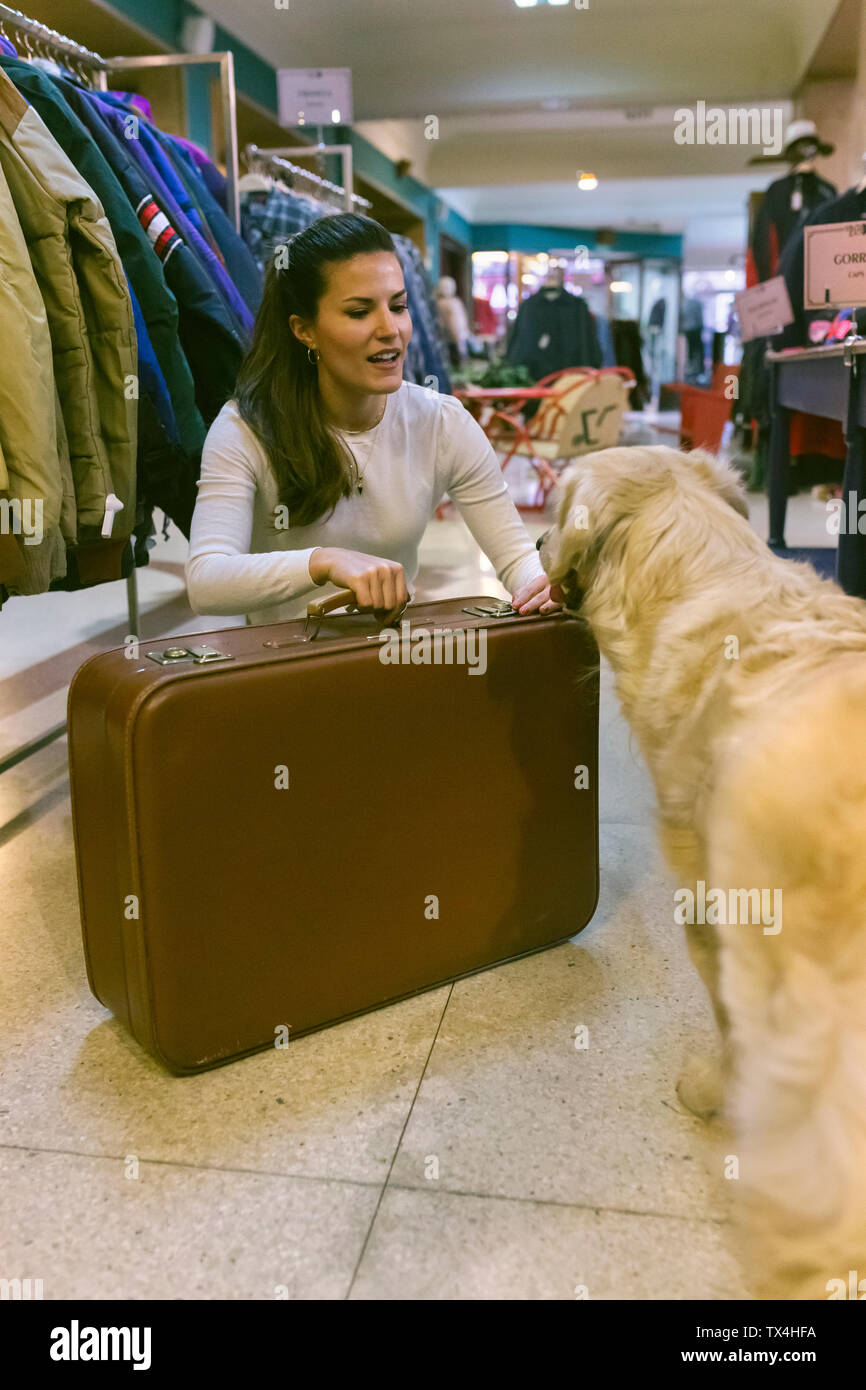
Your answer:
<point x="703" y="1079"/>
<point x="701" y="1085"/>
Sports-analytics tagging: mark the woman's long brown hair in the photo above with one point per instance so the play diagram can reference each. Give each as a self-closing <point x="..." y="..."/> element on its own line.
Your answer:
<point x="277" y="390"/>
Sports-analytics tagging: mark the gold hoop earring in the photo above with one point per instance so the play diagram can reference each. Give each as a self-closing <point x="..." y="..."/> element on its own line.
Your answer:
<point x="312" y="357"/>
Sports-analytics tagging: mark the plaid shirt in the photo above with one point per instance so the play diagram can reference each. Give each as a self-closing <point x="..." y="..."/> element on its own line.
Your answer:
<point x="268" y="220"/>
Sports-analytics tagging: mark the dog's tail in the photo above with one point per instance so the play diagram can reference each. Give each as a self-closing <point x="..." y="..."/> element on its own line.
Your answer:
<point x="789" y="818"/>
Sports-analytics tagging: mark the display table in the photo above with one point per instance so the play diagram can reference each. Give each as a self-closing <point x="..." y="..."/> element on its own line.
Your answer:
<point x="829" y="382"/>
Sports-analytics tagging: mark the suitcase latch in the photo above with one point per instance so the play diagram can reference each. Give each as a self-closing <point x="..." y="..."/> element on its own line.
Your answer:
<point x="200" y="656"/>
<point x="496" y="608"/>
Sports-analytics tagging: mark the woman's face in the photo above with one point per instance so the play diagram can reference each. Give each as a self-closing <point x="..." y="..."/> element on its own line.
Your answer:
<point x="363" y="326"/>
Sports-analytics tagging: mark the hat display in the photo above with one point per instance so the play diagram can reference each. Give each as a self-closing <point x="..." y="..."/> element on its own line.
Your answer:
<point x="802" y="141"/>
<point x="804" y="133"/>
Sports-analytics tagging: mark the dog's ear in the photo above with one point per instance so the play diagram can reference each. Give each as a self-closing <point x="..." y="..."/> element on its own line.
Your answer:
<point x="569" y="539"/>
<point x="721" y="477"/>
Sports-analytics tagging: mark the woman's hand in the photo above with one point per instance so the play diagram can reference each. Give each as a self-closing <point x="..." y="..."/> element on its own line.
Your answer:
<point x="375" y="582"/>
<point x="535" y="597"/>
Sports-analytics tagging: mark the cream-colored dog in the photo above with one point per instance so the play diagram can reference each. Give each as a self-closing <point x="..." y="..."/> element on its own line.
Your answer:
<point x="743" y="677"/>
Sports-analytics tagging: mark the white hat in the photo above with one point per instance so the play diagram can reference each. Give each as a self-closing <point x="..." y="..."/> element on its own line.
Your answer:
<point x="798" y="131"/>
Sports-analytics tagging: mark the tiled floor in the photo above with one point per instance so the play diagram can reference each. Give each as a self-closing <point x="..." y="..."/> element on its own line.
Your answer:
<point x="456" y="1146"/>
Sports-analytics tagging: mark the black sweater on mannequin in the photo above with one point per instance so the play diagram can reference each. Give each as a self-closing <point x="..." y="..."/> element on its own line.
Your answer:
<point x="554" y="329"/>
<point x="786" y="204"/>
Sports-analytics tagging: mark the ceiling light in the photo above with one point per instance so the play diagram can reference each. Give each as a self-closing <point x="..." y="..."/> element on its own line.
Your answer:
<point x="525" y="4"/>
<point x="557" y="2"/>
<point x="619" y="286"/>
<point x="586" y="181"/>
<point x="335" y="116"/>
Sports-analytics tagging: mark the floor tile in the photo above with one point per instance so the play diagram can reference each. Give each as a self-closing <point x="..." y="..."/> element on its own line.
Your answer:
<point x="432" y="1245"/>
<point x="90" y="1228"/>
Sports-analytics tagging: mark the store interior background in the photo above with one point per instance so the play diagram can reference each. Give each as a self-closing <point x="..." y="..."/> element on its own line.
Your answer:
<point x="521" y="103"/>
<point x="559" y="1167"/>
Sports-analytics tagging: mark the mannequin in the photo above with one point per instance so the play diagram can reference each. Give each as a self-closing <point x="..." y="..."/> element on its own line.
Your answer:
<point x="554" y="283"/>
<point x="787" y="201"/>
<point x="554" y="330"/>
<point x="452" y="316"/>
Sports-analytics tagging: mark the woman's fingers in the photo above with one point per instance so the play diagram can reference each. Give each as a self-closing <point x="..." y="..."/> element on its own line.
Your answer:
<point x="389" y="591"/>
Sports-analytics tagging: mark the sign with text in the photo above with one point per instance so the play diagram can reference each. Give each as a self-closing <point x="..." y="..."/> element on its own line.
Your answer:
<point x="764" y="309"/>
<point x="314" y="96"/>
<point x="835" y="266"/>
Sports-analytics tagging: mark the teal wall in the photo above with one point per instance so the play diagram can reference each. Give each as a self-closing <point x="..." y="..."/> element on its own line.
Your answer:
<point x="511" y="236"/>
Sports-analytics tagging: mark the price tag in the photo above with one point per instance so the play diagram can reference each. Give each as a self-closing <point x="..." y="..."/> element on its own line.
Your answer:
<point x="835" y="266"/>
<point x="764" y="310"/>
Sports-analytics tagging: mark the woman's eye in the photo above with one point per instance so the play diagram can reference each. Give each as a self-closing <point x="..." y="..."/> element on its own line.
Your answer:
<point x="362" y="313"/>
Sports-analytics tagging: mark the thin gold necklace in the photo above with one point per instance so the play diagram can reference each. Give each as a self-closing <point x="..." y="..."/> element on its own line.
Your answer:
<point x="374" y="424"/>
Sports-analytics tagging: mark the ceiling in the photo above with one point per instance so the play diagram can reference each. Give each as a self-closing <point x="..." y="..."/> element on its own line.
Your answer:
<point x="525" y="98"/>
<point x="445" y="56"/>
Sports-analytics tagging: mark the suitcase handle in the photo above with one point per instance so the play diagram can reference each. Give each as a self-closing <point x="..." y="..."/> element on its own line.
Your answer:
<point x="319" y="608"/>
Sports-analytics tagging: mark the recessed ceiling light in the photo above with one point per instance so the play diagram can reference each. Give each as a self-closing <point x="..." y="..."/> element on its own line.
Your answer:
<point x="586" y="181"/>
<point x="525" y="4"/>
<point x="619" y="286"/>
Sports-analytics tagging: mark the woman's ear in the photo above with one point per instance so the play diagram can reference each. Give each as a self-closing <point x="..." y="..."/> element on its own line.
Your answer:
<point x="301" y="330"/>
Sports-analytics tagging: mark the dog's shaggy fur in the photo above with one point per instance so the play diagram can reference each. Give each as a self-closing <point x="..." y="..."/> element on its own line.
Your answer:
<point x="743" y="677"/>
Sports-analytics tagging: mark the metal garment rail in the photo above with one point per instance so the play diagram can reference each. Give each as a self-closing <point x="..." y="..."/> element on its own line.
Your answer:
<point x="228" y="95"/>
<point x="40" y="40"/>
<point x="346" y="191"/>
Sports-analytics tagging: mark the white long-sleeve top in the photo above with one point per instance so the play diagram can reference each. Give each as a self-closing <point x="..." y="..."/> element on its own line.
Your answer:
<point x="242" y="560"/>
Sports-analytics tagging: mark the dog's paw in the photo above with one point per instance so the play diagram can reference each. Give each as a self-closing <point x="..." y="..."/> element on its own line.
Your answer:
<point x="701" y="1086"/>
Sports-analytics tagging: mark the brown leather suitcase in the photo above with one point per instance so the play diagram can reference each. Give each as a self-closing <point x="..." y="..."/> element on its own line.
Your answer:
<point x="281" y="827"/>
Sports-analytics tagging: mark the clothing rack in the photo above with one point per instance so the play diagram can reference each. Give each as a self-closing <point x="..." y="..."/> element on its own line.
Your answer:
<point x="226" y="61"/>
<point x="40" y="40"/>
<point x="277" y="156"/>
<point x="48" y="43"/>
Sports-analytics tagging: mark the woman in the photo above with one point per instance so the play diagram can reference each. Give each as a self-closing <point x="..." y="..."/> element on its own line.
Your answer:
<point x="327" y="467"/>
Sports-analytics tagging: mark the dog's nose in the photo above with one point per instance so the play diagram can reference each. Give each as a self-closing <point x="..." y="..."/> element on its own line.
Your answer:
<point x="541" y="539"/>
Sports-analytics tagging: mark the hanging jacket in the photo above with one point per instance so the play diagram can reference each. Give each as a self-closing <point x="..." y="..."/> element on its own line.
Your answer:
<point x="30" y="471"/>
<point x="785" y="206"/>
<point x="173" y="201"/>
<point x="553" y="330"/>
<point x="57" y="103"/>
<point x="425" y="358"/>
<point x="628" y="348"/>
<point x="212" y="344"/>
<point x="81" y="280"/>
<point x="235" y="253"/>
